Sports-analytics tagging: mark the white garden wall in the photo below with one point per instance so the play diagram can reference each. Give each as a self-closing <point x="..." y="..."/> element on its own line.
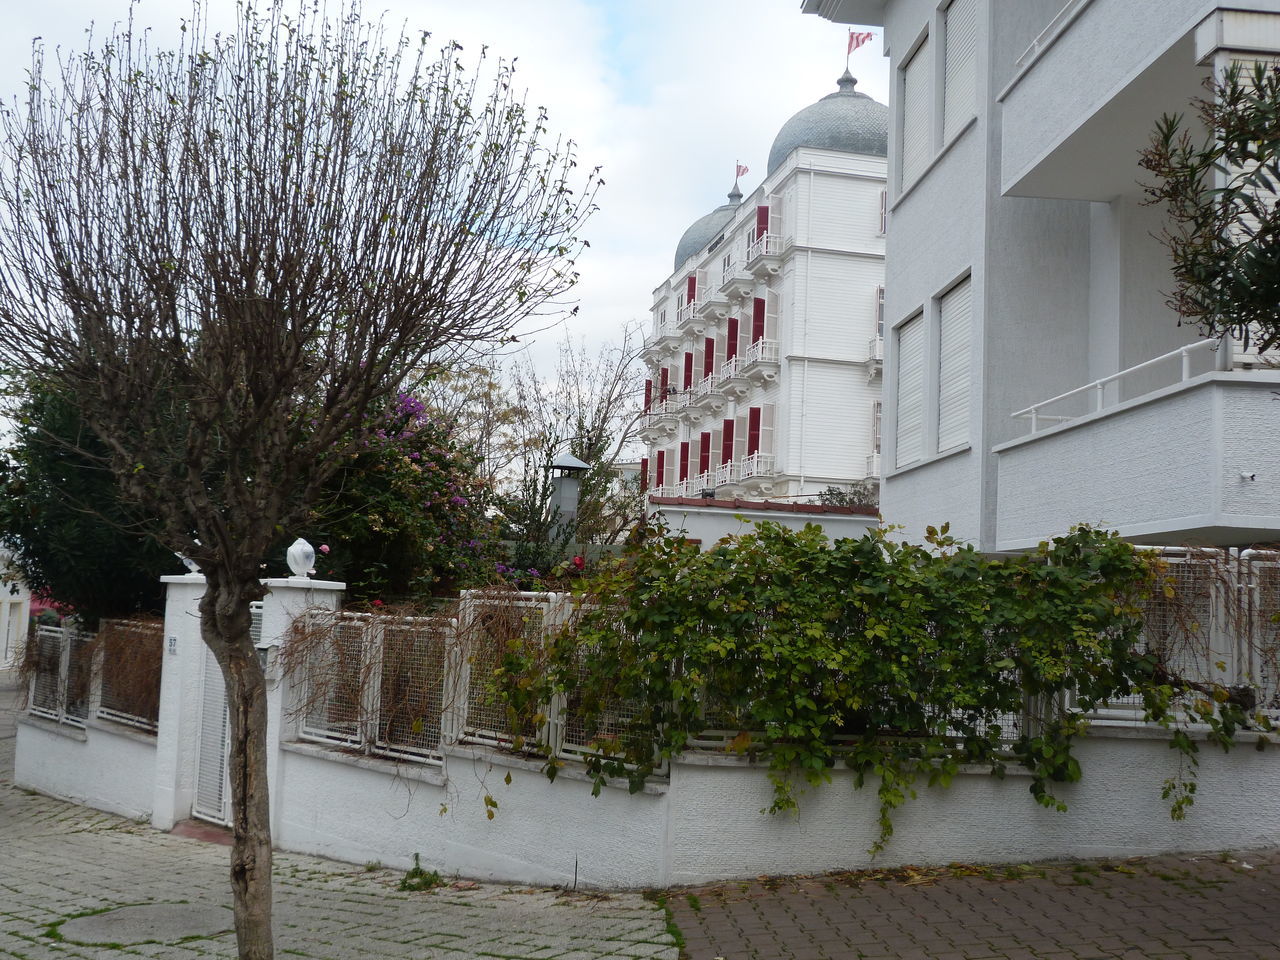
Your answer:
<point x="706" y="821"/>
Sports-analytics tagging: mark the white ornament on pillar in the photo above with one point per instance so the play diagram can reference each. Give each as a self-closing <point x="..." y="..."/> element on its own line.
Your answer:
<point x="301" y="557"/>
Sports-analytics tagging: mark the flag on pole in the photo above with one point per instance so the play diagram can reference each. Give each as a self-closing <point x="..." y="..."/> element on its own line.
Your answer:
<point x="856" y="40"/>
<point x="742" y="171"/>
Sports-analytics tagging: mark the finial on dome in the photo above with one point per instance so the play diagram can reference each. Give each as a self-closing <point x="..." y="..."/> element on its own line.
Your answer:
<point x="846" y="83"/>
<point x="735" y="195"/>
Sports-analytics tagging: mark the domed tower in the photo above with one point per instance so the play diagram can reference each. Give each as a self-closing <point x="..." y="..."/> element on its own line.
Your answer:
<point x="846" y="120"/>
<point x="765" y="348"/>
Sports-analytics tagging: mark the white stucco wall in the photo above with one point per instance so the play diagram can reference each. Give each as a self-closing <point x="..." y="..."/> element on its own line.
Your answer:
<point x="105" y="766"/>
<point x="1131" y="470"/>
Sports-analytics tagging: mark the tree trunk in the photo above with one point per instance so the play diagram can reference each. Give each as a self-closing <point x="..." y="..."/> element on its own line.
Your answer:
<point x="224" y="626"/>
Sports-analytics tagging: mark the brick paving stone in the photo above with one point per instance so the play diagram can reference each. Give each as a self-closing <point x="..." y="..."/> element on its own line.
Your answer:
<point x="1170" y="907"/>
<point x="58" y="859"/>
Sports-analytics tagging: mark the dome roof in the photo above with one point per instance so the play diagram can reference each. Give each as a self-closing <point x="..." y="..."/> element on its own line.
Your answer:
<point x="705" y="229"/>
<point x="845" y="120"/>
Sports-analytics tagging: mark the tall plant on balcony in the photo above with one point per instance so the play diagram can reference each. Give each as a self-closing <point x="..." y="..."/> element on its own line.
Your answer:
<point x="272" y="229"/>
<point x="1220" y="192"/>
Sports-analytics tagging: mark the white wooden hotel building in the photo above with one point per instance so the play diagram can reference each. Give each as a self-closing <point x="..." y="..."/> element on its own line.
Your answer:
<point x="765" y="350"/>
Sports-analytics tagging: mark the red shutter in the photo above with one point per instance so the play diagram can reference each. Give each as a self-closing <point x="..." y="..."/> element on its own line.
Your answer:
<point x="660" y="472"/>
<point x="644" y="474"/>
<point x="684" y="460"/>
<point x="648" y="395"/>
<point x="762" y="221"/>
<point x="708" y="356"/>
<point x="753" y="431"/>
<point x="731" y="340"/>
<point x="688" y="369"/>
<point x="757" y="319"/>
<point x="691" y="289"/>
<point x="704" y="452"/>
<point x="663" y="383"/>
<point x="726" y="441"/>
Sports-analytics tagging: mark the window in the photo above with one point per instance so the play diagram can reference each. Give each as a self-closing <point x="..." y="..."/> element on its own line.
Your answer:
<point x="916" y="123"/>
<point x="960" y="81"/>
<point x="879" y="311"/>
<point x="876" y="407"/>
<point x="909" y="435"/>
<point x="954" y="325"/>
<point x="884" y="212"/>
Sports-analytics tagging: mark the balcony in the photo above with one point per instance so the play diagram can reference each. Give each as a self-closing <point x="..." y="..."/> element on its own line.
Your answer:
<point x="1190" y="462"/>
<point x="873" y="465"/>
<point x="875" y="359"/>
<point x="726" y="474"/>
<point x="1085" y="95"/>
<point x="664" y="342"/>
<point x="759" y="363"/>
<point x="733" y="382"/>
<point x="713" y="305"/>
<point x="689" y="321"/>
<point x="708" y="397"/>
<point x="757" y="473"/>
<point x="737" y="282"/>
<point x="659" y="423"/>
<point x="764" y="256"/>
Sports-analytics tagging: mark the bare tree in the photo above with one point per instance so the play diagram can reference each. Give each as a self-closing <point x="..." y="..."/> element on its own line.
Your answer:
<point x="588" y="406"/>
<point x="230" y="253"/>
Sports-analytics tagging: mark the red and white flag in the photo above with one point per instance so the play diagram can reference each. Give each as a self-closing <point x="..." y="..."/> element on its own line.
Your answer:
<point x="742" y="171"/>
<point x="857" y="39"/>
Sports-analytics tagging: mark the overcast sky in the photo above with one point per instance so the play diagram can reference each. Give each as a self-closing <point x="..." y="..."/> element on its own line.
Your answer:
<point x="665" y="95"/>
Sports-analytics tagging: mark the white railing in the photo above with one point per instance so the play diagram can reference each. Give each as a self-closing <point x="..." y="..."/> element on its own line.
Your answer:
<point x="687" y="313"/>
<point x="875" y="348"/>
<point x="706" y="386"/>
<point x="873" y="464"/>
<point x="730" y="368"/>
<point x="767" y="245"/>
<point x="757" y="465"/>
<point x="1097" y="396"/>
<point x="727" y="473"/>
<point x="734" y="271"/>
<point x="762" y="351"/>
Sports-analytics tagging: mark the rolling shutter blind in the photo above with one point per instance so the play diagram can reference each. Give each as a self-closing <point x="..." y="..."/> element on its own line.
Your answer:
<point x="909" y="432"/>
<point x="954" y="324"/>
<point x="915" y="113"/>
<point x="959" y="96"/>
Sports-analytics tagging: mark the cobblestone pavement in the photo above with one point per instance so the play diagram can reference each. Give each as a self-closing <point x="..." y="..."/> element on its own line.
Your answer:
<point x="58" y="860"/>
<point x="1224" y="907"/>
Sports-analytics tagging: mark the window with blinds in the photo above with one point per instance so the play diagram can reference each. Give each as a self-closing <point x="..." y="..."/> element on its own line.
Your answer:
<point x="909" y="426"/>
<point x="955" y="323"/>
<point x="916" y="98"/>
<point x="959" y="94"/>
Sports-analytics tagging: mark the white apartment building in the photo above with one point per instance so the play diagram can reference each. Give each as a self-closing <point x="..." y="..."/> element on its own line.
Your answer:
<point x="1035" y="377"/>
<point x="766" y="345"/>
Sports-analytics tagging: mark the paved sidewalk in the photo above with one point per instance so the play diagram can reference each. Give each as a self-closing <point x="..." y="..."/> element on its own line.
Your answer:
<point x="58" y="860"/>
<point x="1224" y="907"/>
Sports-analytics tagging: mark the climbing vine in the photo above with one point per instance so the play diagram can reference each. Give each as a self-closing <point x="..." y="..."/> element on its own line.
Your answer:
<point x="902" y="662"/>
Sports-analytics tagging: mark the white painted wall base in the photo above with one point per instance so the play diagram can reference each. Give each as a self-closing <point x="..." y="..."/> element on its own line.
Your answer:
<point x="106" y="766"/>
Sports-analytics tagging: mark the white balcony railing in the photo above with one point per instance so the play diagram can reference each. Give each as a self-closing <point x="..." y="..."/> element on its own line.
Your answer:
<point x="1190" y="361"/>
<point x="766" y="245"/>
<point x="727" y="473"/>
<point x="687" y="313"/>
<point x="873" y="464"/>
<point x="706" y="386"/>
<point x="757" y="465"/>
<point x="762" y="351"/>
<point x="875" y="348"/>
<point x="730" y="368"/>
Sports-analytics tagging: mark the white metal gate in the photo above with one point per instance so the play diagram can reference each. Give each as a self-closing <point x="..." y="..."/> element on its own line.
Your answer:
<point x="213" y="789"/>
